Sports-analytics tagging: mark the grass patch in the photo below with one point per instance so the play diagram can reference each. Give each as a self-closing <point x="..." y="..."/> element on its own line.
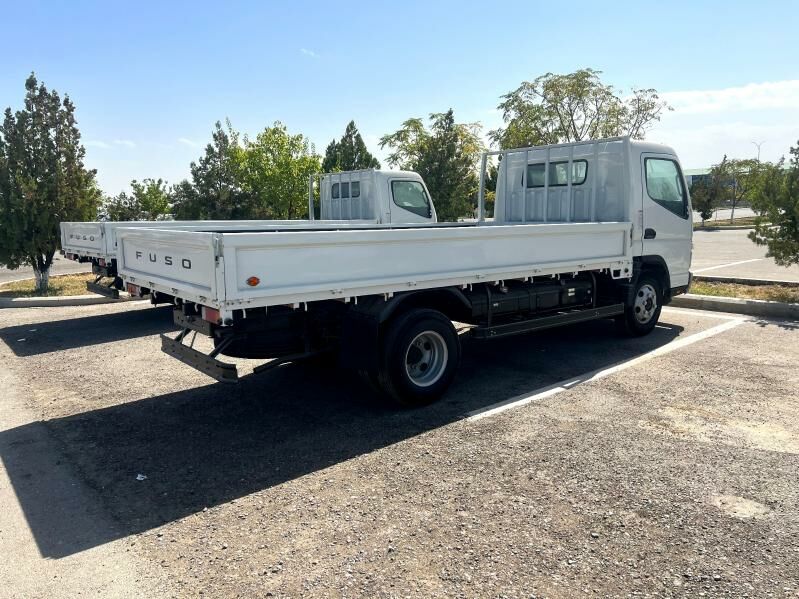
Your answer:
<point x="774" y="293"/>
<point x="743" y="221"/>
<point x="60" y="285"/>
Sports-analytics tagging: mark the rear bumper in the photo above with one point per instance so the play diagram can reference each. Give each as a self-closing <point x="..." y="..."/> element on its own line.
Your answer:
<point x="225" y="373"/>
<point x="103" y="290"/>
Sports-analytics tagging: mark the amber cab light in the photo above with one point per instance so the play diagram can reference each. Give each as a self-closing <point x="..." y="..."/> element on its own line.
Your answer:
<point x="253" y="281"/>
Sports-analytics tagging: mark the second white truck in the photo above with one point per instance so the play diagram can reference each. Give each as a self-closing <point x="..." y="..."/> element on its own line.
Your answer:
<point x="582" y="231"/>
<point x="350" y="199"/>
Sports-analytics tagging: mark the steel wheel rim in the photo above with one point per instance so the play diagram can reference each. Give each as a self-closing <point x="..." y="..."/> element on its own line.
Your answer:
<point x="646" y="303"/>
<point x="426" y="358"/>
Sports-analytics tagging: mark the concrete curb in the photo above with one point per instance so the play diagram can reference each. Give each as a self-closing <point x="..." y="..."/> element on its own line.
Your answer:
<point x="742" y="281"/>
<point x="723" y="228"/>
<point x="750" y="307"/>
<point x="52" y="302"/>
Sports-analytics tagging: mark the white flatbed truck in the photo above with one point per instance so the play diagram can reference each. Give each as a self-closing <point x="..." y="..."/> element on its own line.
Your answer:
<point x="351" y="199"/>
<point x="581" y="231"/>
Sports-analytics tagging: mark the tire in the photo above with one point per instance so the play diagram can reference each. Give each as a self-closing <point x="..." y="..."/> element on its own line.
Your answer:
<point x="419" y="358"/>
<point x="640" y="318"/>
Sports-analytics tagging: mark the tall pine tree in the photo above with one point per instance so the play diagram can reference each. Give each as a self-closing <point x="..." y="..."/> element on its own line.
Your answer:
<point x="215" y="191"/>
<point x="42" y="179"/>
<point x="349" y="153"/>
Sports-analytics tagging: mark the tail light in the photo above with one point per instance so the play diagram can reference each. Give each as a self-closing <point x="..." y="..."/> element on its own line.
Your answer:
<point x="211" y="315"/>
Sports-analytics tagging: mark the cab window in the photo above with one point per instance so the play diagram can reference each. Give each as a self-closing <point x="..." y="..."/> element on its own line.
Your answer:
<point x="664" y="185"/>
<point x="558" y="174"/>
<point x="411" y="196"/>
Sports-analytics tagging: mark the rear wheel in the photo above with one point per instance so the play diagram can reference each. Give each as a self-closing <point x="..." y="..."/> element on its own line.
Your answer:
<point x="419" y="358"/>
<point x="642" y="316"/>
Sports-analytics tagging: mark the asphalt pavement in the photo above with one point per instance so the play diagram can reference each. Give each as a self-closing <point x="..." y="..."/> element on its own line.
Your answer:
<point x="61" y="266"/>
<point x="572" y="462"/>
<point x="732" y="254"/>
<point x="724" y="214"/>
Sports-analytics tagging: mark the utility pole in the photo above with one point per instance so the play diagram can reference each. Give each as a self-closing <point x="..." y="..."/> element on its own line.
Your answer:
<point x="758" y="148"/>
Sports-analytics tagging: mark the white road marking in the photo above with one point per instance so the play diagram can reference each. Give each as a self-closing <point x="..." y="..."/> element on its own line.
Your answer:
<point x="726" y="265"/>
<point x="521" y="400"/>
<point x="705" y="313"/>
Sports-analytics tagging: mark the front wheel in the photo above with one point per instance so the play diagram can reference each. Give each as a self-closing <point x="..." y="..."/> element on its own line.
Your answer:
<point x="642" y="316"/>
<point x="420" y="355"/>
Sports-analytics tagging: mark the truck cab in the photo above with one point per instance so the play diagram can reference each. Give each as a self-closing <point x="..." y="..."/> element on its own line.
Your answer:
<point x="375" y="196"/>
<point x="610" y="180"/>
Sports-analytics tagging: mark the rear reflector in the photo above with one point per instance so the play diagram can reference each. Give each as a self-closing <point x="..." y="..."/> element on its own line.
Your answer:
<point x="101" y="261"/>
<point x="211" y="315"/>
<point x="133" y="290"/>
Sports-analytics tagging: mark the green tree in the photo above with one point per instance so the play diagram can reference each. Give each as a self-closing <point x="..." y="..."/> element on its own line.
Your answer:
<point x="564" y="108"/>
<point x="216" y="181"/>
<point x="349" y="153"/>
<point x="149" y="200"/>
<point x="775" y="197"/>
<point x="735" y="178"/>
<point x="121" y="207"/>
<point x="152" y="196"/>
<point x="186" y="203"/>
<point x="491" y="180"/>
<point x="708" y="192"/>
<point x="276" y="166"/>
<point x="43" y="180"/>
<point x="446" y="156"/>
<point x="704" y="199"/>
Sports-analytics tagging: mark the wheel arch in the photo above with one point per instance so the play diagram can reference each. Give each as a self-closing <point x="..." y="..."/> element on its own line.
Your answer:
<point x="654" y="265"/>
<point x="365" y="322"/>
<point x="449" y="301"/>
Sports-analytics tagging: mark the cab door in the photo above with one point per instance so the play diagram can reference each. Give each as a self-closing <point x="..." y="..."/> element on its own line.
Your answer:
<point x="409" y="202"/>
<point x="667" y="222"/>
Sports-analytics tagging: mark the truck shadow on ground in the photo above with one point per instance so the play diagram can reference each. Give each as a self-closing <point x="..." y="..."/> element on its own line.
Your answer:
<point x="206" y="446"/>
<point x="57" y="335"/>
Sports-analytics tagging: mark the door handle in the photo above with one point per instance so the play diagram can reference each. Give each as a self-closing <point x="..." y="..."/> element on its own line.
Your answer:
<point x="650" y="233"/>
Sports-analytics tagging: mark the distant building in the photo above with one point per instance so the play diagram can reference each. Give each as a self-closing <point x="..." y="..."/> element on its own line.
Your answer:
<point x="694" y="175"/>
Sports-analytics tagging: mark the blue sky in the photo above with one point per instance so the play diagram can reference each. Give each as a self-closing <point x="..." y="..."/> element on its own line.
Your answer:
<point x="150" y="78"/>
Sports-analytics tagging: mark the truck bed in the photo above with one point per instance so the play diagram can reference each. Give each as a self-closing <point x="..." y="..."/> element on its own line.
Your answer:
<point x="291" y="267"/>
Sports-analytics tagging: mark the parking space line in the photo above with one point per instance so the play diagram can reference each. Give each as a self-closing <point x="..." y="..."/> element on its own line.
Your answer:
<point x="521" y="400"/>
<point x="726" y="265"/>
<point x="704" y="313"/>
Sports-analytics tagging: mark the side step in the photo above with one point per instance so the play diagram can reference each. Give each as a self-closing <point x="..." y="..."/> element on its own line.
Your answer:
<point x="207" y="363"/>
<point x="546" y="322"/>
